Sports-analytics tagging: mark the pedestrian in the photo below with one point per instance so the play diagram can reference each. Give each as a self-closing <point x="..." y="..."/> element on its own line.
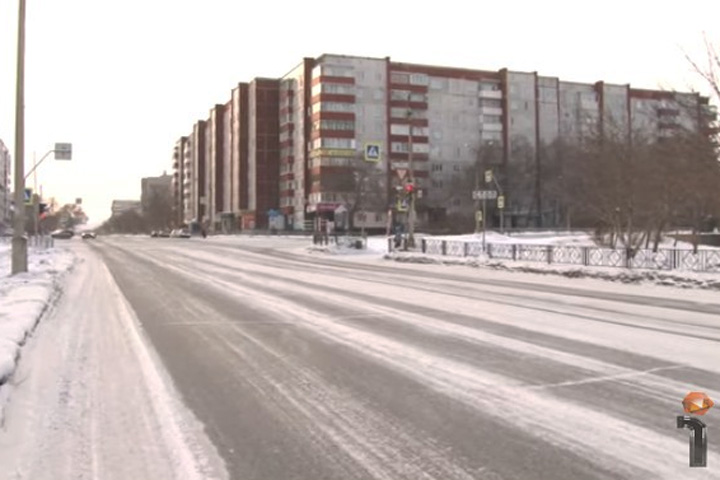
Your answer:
<point x="204" y="233"/>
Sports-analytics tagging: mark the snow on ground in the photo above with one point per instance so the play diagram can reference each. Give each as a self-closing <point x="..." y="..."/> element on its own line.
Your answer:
<point x="25" y="297"/>
<point x="90" y="398"/>
<point x="378" y="247"/>
<point x="676" y="279"/>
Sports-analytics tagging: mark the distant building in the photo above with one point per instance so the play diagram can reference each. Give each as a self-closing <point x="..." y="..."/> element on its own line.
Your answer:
<point x="156" y="188"/>
<point x="123" y="206"/>
<point x="214" y="166"/>
<point x="5" y="195"/>
<point x="178" y="180"/>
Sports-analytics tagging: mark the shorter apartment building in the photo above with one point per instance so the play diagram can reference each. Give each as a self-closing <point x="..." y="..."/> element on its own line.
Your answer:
<point x="123" y="206"/>
<point x="158" y="190"/>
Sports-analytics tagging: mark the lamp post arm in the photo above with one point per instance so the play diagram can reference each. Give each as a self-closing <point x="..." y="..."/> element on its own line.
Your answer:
<point x="38" y="163"/>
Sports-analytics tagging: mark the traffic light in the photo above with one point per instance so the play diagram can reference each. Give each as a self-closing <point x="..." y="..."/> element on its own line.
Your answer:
<point x="43" y="210"/>
<point x="409" y="188"/>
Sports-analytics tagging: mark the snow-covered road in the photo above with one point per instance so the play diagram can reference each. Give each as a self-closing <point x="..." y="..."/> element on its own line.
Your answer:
<point x="90" y="401"/>
<point x="310" y="368"/>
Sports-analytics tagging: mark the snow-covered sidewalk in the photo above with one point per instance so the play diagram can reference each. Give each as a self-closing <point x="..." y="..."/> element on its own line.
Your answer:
<point x="25" y="297"/>
<point x="90" y="398"/>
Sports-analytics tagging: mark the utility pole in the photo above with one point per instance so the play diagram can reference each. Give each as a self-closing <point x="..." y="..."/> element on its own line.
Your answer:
<point x="19" y="241"/>
<point x="413" y="193"/>
<point x="477" y="199"/>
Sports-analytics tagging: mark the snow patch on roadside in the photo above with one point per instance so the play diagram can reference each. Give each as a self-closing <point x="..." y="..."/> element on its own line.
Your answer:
<point x="705" y="281"/>
<point x="24" y="299"/>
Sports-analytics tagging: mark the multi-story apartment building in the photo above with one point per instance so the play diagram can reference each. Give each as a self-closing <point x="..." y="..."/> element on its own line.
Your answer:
<point x="295" y="129"/>
<point x="187" y="208"/>
<point x="300" y="142"/>
<point x="239" y="153"/>
<point x="198" y="172"/>
<point x="178" y="189"/>
<point x="263" y="151"/>
<point x="214" y="167"/>
<point x="5" y="195"/>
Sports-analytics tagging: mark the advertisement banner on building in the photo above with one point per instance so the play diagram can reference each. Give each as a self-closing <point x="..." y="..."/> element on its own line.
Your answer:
<point x="332" y="152"/>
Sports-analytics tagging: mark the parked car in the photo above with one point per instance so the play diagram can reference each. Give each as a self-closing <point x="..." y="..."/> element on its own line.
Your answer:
<point x="180" y="233"/>
<point x="154" y="234"/>
<point x="163" y="234"/>
<point x="62" y="234"/>
<point x="89" y="236"/>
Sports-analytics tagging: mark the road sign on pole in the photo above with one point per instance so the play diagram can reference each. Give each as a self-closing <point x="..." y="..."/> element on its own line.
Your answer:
<point x="488" y="176"/>
<point x="501" y="202"/>
<point x="372" y="152"/>
<point x="484" y="194"/>
<point x="28" y="196"/>
<point x="401" y="172"/>
<point x="63" y="151"/>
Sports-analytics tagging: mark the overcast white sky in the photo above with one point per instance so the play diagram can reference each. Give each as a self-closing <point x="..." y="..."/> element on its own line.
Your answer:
<point x="122" y="80"/>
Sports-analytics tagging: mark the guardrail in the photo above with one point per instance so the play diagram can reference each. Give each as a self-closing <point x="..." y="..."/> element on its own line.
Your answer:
<point x="663" y="259"/>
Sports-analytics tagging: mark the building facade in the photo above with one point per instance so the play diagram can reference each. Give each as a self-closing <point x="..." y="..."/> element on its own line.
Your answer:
<point x="156" y="189"/>
<point x="178" y="179"/>
<point x="299" y="144"/>
<point x="263" y="150"/>
<point x="122" y="206"/>
<point x="239" y="154"/>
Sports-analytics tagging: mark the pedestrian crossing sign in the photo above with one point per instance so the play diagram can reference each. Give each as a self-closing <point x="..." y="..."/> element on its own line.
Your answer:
<point x="28" y="196"/>
<point x="372" y="152"/>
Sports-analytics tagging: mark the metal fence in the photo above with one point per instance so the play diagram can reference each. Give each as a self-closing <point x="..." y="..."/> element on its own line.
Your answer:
<point x="39" y="242"/>
<point x="664" y="259"/>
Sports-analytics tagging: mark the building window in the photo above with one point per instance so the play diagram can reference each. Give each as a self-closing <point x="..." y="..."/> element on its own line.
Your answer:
<point x="399" y="147"/>
<point x="437" y="167"/>
<point x="419" y="79"/>
<point x="333" y="107"/>
<point x="399" y="78"/>
<point x="399" y="129"/>
<point x="326" y="142"/>
<point x="347" y="125"/>
<point x="399" y="95"/>
<point x="421" y="148"/>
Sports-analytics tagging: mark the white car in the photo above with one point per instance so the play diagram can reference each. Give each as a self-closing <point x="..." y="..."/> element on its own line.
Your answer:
<point x="180" y="233"/>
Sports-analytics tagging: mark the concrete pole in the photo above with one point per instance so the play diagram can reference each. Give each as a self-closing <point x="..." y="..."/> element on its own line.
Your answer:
<point x="411" y="213"/>
<point x="19" y="241"/>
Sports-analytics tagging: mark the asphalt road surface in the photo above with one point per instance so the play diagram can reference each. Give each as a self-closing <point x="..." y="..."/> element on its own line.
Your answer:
<point x="317" y="368"/>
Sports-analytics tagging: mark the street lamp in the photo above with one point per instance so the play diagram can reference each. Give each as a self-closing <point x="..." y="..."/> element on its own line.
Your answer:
<point x="19" y="242"/>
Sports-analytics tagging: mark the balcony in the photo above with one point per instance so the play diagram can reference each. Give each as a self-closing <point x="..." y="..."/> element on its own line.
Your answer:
<point x="491" y="111"/>
<point x="491" y="127"/>
<point x="494" y="94"/>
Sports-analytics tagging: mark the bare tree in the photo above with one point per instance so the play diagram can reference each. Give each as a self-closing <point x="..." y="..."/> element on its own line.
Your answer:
<point x="710" y="71"/>
<point x="363" y="190"/>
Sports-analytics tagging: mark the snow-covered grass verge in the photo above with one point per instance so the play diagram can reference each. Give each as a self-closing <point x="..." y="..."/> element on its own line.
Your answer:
<point x="709" y="281"/>
<point x="25" y="297"/>
<point x="373" y="246"/>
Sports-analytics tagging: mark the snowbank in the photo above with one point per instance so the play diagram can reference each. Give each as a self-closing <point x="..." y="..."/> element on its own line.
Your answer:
<point x="25" y="297"/>
<point x="374" y="246"/>
<point x="709" y="281"/>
